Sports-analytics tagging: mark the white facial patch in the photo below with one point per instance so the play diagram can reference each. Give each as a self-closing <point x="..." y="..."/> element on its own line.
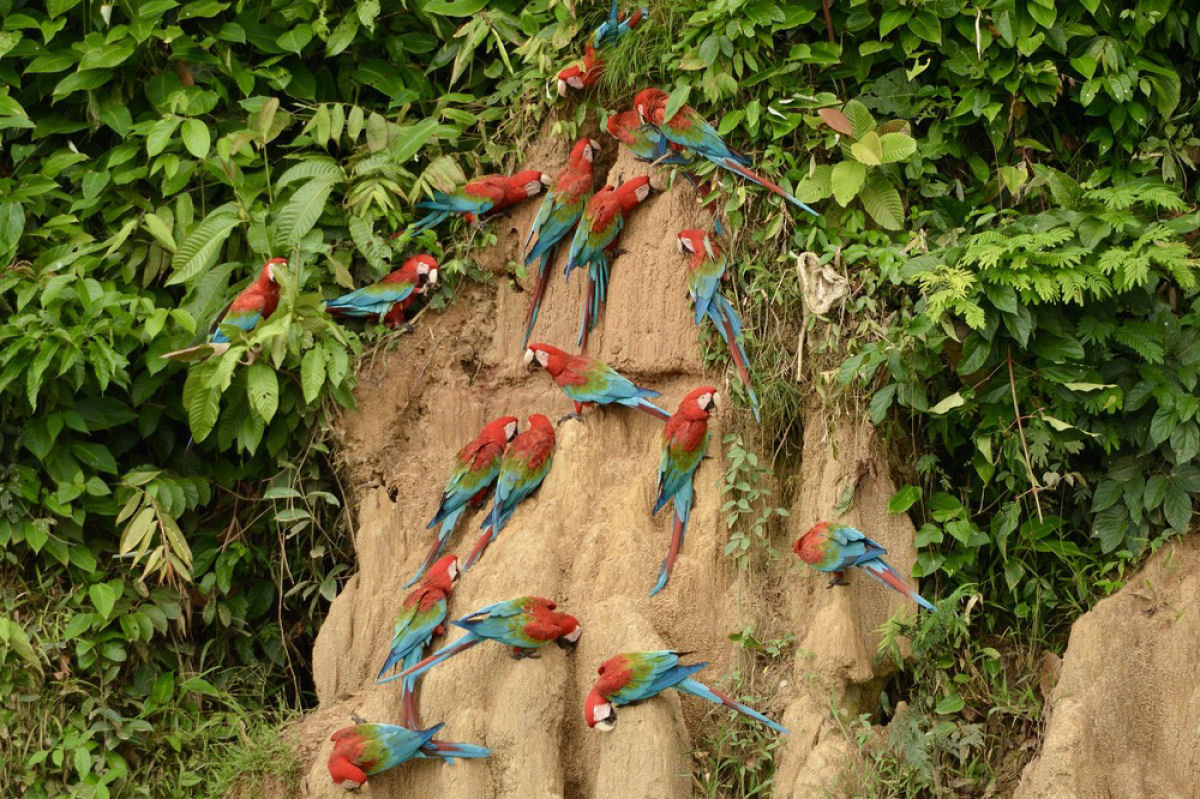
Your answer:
<point x="685" y="244"/>
<point x="642" y="192"/>
<point x="351" y="785"/>
<point x="271" y="272"/>
<point x="573" y="636"/>
<point x="562" y="88"/>
<point x="533" y="187"/>
<point x="527" y="358"/>
<point x="433" y="273"/>
<point x="510" y="430"/>
<point x="704" y="399"/>
<point x="452" y="572"/>
<point x="603" y="717"/>
<point x="575" y="82"/>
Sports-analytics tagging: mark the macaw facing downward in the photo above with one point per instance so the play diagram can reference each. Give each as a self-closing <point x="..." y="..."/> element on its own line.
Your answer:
<point x="688" y="129"/>
<point x="637" y="676"/>
<point x="595" y="237"/>
<point x="615" y="28"/>
<point x="390" y="297"/>
<point x="253" y="304"/>
<point x="583" y="74"/>
<point x="705" y="270"/>
<point x="561" y="209"/>
<point x="475" y="469"/>
<point x="422" y="616"/>
<point x="525" y="624"/>
<point x="587" y="381"/>
<point x="837" y="547"/>
<point x="526" y="463"/>
<point x="364" y="750"/>
<point x="477" y="198"/>
<point x="685" y="440"/>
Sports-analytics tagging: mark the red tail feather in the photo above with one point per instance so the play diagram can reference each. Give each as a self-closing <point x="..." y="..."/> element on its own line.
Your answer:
<point x="893" y="579"/>
<point x="757" y="178"/>
<point x="655" y="412"/>
<point x="409" y="715"/>
<point x="480" y="547"/>
<point x="734" y="352"/>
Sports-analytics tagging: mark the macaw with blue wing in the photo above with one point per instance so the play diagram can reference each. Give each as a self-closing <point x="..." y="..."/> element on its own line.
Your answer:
<point x="587" y="381"/>
<point x="477" y="198"/>
<point x="475" y="469"/>
<point x="685" y="440"/>
<point x="837" y="547"/>
<point x="637" y="676"/>
<point x="422" y="616"/>
<point x="525" y="465"/>
<point x="690" y="130"/>
<point x="617" y="26"/>
<point x="389" y="298"/>
<point x="365" y="750"/>
<point x="650" y="146"/>
<point x="252" y="305"/>
<point x="705" y="271"/>
<point x="525" y="624"/>
<point x="556" y="219"/>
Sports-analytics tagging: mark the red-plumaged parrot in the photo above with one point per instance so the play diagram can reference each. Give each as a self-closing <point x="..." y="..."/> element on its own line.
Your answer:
<point x="525" y="624"/>
<point x="685" y="440"/>
<point x="637" y="676"/>
<point x="525" y="464"/>
<point x="478" y="198"/>
<point x="422" y="616"/>
<point x="587" y="381"/>
<point x="561" y="209"/>
<point x="690" y="130"/>
<point x="364" y="750"/>
<point x="253" y="304"/>
<point x="705" y="270"/>
<point x="836" y="547"/>
<point x="388" y="299"/>
<point x="475" y="469"/>
<point x="650" y="146"/>
<point x="582" y="75"/>
<point x="595" y="238"/>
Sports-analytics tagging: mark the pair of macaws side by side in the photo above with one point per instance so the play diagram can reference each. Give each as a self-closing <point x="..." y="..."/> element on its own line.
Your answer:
<point x="832" y="547"/>
<point x="477" y="199"/>
<point x="637" y="676"/>
<point x="365" y="750"/>
<point x="591" y="68"/>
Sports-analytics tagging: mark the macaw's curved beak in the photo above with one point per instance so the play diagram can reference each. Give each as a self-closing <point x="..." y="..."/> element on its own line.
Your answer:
<point x="562" y="88"/>
<point x="569" y="640"/>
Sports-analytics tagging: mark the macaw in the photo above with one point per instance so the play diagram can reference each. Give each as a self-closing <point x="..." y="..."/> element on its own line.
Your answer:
<point x="475" y="469"/>
<point x="422" y="616"/>
<point x="526" y="463"/>
<point x="650" y="146"/>
<point x="364" y="750"/>
<point x="561" y="209"/>
<point x="587" y="381"/>
<point x="477" y="198"/>
<point x="636" y="676"/>
<point x="615" y="28"/>
<point x="252" y="304"/>
<point x="705" y="270"/>
<point x="526" y="624"/>
<point x="836" y="547"/>
<point x="583" y="74"/>
<point x="602" y="221"/>
<point x="389" y="298"/>
<point x="685" y="440"/>
<point x="688" y="129"/>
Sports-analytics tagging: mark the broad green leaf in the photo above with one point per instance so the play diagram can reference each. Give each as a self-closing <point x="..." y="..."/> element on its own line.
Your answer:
<point x="868" y="149"/>
<point x="201" y="248"/>
<point x="677" y="99"/>
<point x="859" y="117"/>
<point x="926" y="25"/>
<point x="196" y="137"/>
<point x="160" y="135"/>
<point x="904" y="499"/>
<point x="882" y="202"/>
<point x="312" y="373"/>
<point x="201" y="400"/>
<point x="302" y="211"/>
<point x="896" y="147"/>
<point x="411" y="138"/>
<point x="104" y="597"/>
<point x="105" y="57"/>
<point x="342" y="36"/>
<point x="950" y="704"/>
<point x="295" y="39"/>
<point x="948" y="404"/>
<point x="262" y="389"/>
<point x="453" y="8"/>
<point x="82" y="81"/>
<point x="845" y="180"/>
<point x="311" y="168"/>
<point x="14" y="637"/>
<point x="159" y="230"/>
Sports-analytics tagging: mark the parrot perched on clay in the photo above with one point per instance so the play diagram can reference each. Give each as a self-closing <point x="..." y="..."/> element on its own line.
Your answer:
<point x="525" y="624"/>
<point x="389" y="298"/>
<point x="636" y="676"/>
<point x="525" y="464"/>
<point x="685" y="440"/>
<point x="475" y="469"/>
<point x="561" y="209"/>
<point x="690" y="130"/>
<point x="705" y="270"/>
<point x="253" y="304"/>
<point x="836" y="547"/>
<point x="478" y="198"/>
<point x="582" y="75"/>
<point x="651" y="147"/>
<point x="617" y="26"/>
<point x="364" y="750"/>
<point x="422" y="616"/>
<point x="587" y="381"/>
<point x="595" y="237"/>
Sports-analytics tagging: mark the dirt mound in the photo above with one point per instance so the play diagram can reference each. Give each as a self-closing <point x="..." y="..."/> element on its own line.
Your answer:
<point x="1122" y="719"/>
<point x="586" y="540"/>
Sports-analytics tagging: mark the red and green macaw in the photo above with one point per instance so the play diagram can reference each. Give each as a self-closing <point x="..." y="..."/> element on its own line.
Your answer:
<point x="422" y="616"/>
<point x="560" y="211"/>
<point x="617" y="26"/>
<point x="637" y="676"/>
<point x="688" y="129"/>
<point x="595" y="238"/>
<point x="685" y="440"/>
<point x="525" y="624"/>
<point x="831" y="547"/>
<point x="705" y="271"/>
<point x="525" y="465"/>
<point x="389" y="298"/>
<point x="587" y="381"/>
<point x="649" y="146"/>
<point x="478" y="198"/>
<point x="364" y="750"/>
<point x="253" y="304"/>
<point x="582" y="75"/>
<point x="475" y="469"/>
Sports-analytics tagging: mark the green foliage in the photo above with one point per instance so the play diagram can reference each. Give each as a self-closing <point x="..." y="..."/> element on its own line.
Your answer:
<point x="748" y="511"/>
